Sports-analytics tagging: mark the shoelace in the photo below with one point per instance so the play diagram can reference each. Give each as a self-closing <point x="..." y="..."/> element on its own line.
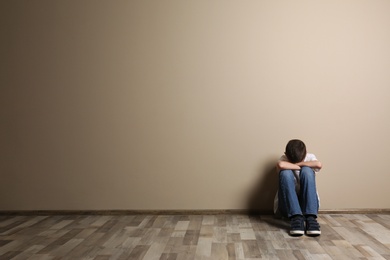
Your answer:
<point x="296" y="223"/>
<point x="312" y="223"/>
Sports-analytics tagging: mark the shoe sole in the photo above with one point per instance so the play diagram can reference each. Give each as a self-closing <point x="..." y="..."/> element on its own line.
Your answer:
<point x="313" y="233"/>
<point x="297" y="232"/>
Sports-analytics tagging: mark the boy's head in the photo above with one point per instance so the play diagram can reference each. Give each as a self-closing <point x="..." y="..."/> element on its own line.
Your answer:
<point x="295" y="151"/>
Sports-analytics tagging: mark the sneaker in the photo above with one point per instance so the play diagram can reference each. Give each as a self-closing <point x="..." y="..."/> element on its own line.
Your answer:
<point x="312" y="226"/>
<point x="297" y="226"/>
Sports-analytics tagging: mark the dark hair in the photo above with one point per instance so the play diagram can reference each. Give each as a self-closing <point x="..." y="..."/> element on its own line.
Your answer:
<point x="295" y="151"/>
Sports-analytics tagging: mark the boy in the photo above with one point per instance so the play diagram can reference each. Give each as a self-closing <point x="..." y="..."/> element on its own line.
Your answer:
<point x="297" y="197"/>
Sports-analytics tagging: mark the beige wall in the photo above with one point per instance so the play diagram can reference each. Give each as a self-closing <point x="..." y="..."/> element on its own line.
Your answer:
<point x="187" y="104"/>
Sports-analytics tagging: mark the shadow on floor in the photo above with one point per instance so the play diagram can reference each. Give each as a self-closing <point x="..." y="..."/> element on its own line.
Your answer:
<point x="261" y="198"/>
<point x="278" y="223"/>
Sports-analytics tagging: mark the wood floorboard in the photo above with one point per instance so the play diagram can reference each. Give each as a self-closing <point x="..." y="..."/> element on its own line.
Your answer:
<point x="182" y="237"/>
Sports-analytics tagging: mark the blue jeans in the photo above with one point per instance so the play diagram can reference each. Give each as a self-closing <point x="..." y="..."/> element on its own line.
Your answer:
<point x="305" y="202"/>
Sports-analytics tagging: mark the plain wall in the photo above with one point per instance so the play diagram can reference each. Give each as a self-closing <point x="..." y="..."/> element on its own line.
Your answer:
<point x="188" y="104"/>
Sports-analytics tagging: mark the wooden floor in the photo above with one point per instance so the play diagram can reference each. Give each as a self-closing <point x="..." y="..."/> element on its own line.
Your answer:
<point x="344" y="236"/>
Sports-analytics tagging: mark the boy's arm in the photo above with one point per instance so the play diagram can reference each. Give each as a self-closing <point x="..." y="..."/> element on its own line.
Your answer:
<point x="284" y="165"/>
<point x="311" y="164"/>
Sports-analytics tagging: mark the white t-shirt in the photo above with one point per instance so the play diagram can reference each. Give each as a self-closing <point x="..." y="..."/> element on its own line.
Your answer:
<point x="308" y="158"/>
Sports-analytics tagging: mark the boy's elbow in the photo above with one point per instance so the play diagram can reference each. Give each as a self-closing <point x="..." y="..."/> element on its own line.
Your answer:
<point x="319" y="165"/>
<point x="279" y="166"/>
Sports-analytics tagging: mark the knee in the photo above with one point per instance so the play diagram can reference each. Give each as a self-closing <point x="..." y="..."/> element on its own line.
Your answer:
<point x="307" y="169"/>
<point x="306" y="172"/>
<point x="286" y="175"/>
